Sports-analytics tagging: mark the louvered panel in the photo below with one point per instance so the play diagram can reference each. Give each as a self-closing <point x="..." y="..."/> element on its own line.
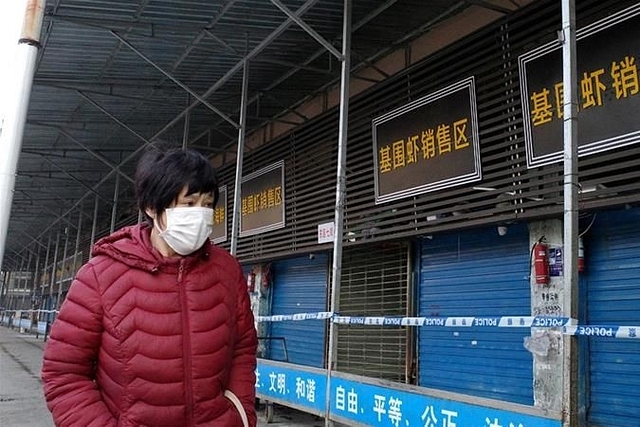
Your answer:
<point x="374" y="283"/>
<point x="476" y="273"/>
<point x="491" y="56"/>
<point x="612" y="277"/>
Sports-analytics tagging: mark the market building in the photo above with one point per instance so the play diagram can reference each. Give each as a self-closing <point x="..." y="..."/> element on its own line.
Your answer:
<point x="472" y="289"/>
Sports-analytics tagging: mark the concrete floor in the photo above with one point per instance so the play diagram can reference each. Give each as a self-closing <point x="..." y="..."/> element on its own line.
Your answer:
<point x="22" y="402"/>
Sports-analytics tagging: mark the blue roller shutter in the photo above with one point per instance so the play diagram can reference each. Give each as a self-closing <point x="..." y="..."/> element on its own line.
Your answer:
<point x="476" y="273"/>
<point x="612" y="278"/>
<point x="299" y="286"/>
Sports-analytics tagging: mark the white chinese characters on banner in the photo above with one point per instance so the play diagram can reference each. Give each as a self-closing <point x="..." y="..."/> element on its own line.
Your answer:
<point x="387" y="411"/>
<point x="379" y="405"/>
<point x="306" y="389"/>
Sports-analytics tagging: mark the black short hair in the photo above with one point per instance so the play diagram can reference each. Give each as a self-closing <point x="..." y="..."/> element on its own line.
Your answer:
<point x="161" y="176"/>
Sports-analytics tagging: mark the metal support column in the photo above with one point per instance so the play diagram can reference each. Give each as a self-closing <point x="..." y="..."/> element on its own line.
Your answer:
<point x="4" y="295"/>
<point x="94" y="225"/>
<point x="63" y="264"/>
<point x="78" y="235"/>
<point x="235" y="223"/>
<point x="114" y="207"/>
<point x="569" y="79"/>
<point x="15" y="118"/>
<point x="26" y="282"/>
<point x="185" y="130"/>
<point x="35" y="283"/>
<point x="44" y="269"/>
<point x="3" y="279"/>
<point x="13" y="298"/>
<point x="52" y="280"/>
<point x="336" y="275"/>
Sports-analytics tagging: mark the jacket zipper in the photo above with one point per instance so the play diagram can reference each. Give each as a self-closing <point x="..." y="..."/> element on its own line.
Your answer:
<point x="186" y="349"/>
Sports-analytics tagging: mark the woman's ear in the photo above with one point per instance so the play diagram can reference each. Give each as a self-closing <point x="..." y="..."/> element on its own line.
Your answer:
<point x="150" y="212"/>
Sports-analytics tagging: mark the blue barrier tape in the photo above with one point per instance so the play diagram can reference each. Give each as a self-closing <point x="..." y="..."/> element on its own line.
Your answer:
<point x="31" y="311"/>
<point x="610" y="331"/>
<point x="482" y="321"/>
<point x="469" y="321"/>
<point x="298" y="316"/>
<point x="569" y="326"/>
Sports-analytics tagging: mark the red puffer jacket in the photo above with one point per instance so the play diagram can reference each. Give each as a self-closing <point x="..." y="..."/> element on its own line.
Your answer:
<point x="144" y="340"/>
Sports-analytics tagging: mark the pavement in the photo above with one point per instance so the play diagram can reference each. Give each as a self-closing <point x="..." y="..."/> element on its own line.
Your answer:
<point x="22" y="402"/>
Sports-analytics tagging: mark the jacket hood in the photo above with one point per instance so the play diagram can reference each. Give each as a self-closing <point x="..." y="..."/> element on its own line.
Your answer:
<point x="132" y="246"/>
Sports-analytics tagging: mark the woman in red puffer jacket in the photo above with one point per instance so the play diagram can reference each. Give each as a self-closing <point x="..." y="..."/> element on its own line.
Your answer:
<point x="157" y="329"/>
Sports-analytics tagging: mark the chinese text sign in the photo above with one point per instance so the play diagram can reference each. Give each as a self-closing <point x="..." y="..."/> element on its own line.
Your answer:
<point x="608" y="91"/>
<point x="219" y="232"/>
<point x="262" y="200"/>
<point x="429" y="144"/>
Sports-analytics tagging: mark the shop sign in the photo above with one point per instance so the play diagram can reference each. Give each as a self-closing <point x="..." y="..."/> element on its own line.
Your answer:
<point x="326" y="232"/>
<point x="427" y="145"/>
<point x="219" y="233"/>
<point x="262" y="200"/>
<point x="608" y="89"/>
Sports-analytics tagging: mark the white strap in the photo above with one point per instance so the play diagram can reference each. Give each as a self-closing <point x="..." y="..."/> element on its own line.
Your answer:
<point x="236" y="402"/>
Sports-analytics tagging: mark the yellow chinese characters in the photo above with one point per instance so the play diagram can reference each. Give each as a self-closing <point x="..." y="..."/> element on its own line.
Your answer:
<point x="624" y="82"/>
<point x="218" y="215"/>
<point x="442" y="139"/>
<point x="265" y="199"/>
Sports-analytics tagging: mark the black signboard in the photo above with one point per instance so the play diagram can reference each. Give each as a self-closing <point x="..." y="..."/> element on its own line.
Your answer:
<point x="608" y="52"/>
<point x="427" y="145"/>
<point x="262" y="205"/>
<point x="219" y="233"/>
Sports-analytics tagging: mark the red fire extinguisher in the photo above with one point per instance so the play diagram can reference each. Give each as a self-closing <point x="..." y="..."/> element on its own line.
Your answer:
<point x="580" y="255"/>
<point x="541" y="263"/>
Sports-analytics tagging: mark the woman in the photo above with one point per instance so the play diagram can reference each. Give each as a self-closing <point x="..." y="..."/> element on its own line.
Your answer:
<point x="156" y="329"/>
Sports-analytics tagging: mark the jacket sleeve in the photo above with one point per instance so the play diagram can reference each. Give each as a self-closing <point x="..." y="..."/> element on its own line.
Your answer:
<point x="242" y="377"/>
<point x="70" y="356"/>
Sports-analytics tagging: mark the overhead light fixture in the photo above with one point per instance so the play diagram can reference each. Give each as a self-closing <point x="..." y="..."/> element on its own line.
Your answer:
<point x="591" y="188"/>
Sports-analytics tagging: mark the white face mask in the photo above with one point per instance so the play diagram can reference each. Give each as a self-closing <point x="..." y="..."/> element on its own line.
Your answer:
<point x="187" y="228"/>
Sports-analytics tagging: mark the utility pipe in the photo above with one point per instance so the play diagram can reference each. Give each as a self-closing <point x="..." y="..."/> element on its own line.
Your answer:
<point x="15" y="118"/>
<point x="94" y="224"/>
<point x="341" y="187"/>
<point x="570" y="293"/>
<point x="114" y="207"/>
<point x="235" y="222"/>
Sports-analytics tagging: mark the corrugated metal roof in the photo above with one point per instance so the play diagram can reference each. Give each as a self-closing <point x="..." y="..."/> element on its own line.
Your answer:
<point x="96" y="102"/>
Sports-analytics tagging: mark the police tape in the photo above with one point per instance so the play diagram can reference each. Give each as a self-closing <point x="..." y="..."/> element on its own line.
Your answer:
<point x="466" y="322"/>
<point x="486" y="321"/>
<point x="30" y="311"/>
<point x="569" y="326"/>
<point x="299" y="316"/>
<point x="610" y="331"/>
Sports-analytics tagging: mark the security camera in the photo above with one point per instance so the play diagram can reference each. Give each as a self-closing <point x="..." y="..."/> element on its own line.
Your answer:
<point x="312" y="256"/>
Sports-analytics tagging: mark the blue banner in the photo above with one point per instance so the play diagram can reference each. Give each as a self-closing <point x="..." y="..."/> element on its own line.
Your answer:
<point x="297" y="386"/>
<point x="378" y="405"/>
<point x="375" y="405"/>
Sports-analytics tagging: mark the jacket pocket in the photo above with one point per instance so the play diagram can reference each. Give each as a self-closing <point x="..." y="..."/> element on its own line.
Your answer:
<point x="236" y="402"/>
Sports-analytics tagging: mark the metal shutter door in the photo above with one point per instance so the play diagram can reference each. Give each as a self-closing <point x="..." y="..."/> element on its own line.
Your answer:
<point x="612" y="277"/>
<point x="300" y="286"/>
<point x="373" y="283"/>
<point x="476" y="273"/>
